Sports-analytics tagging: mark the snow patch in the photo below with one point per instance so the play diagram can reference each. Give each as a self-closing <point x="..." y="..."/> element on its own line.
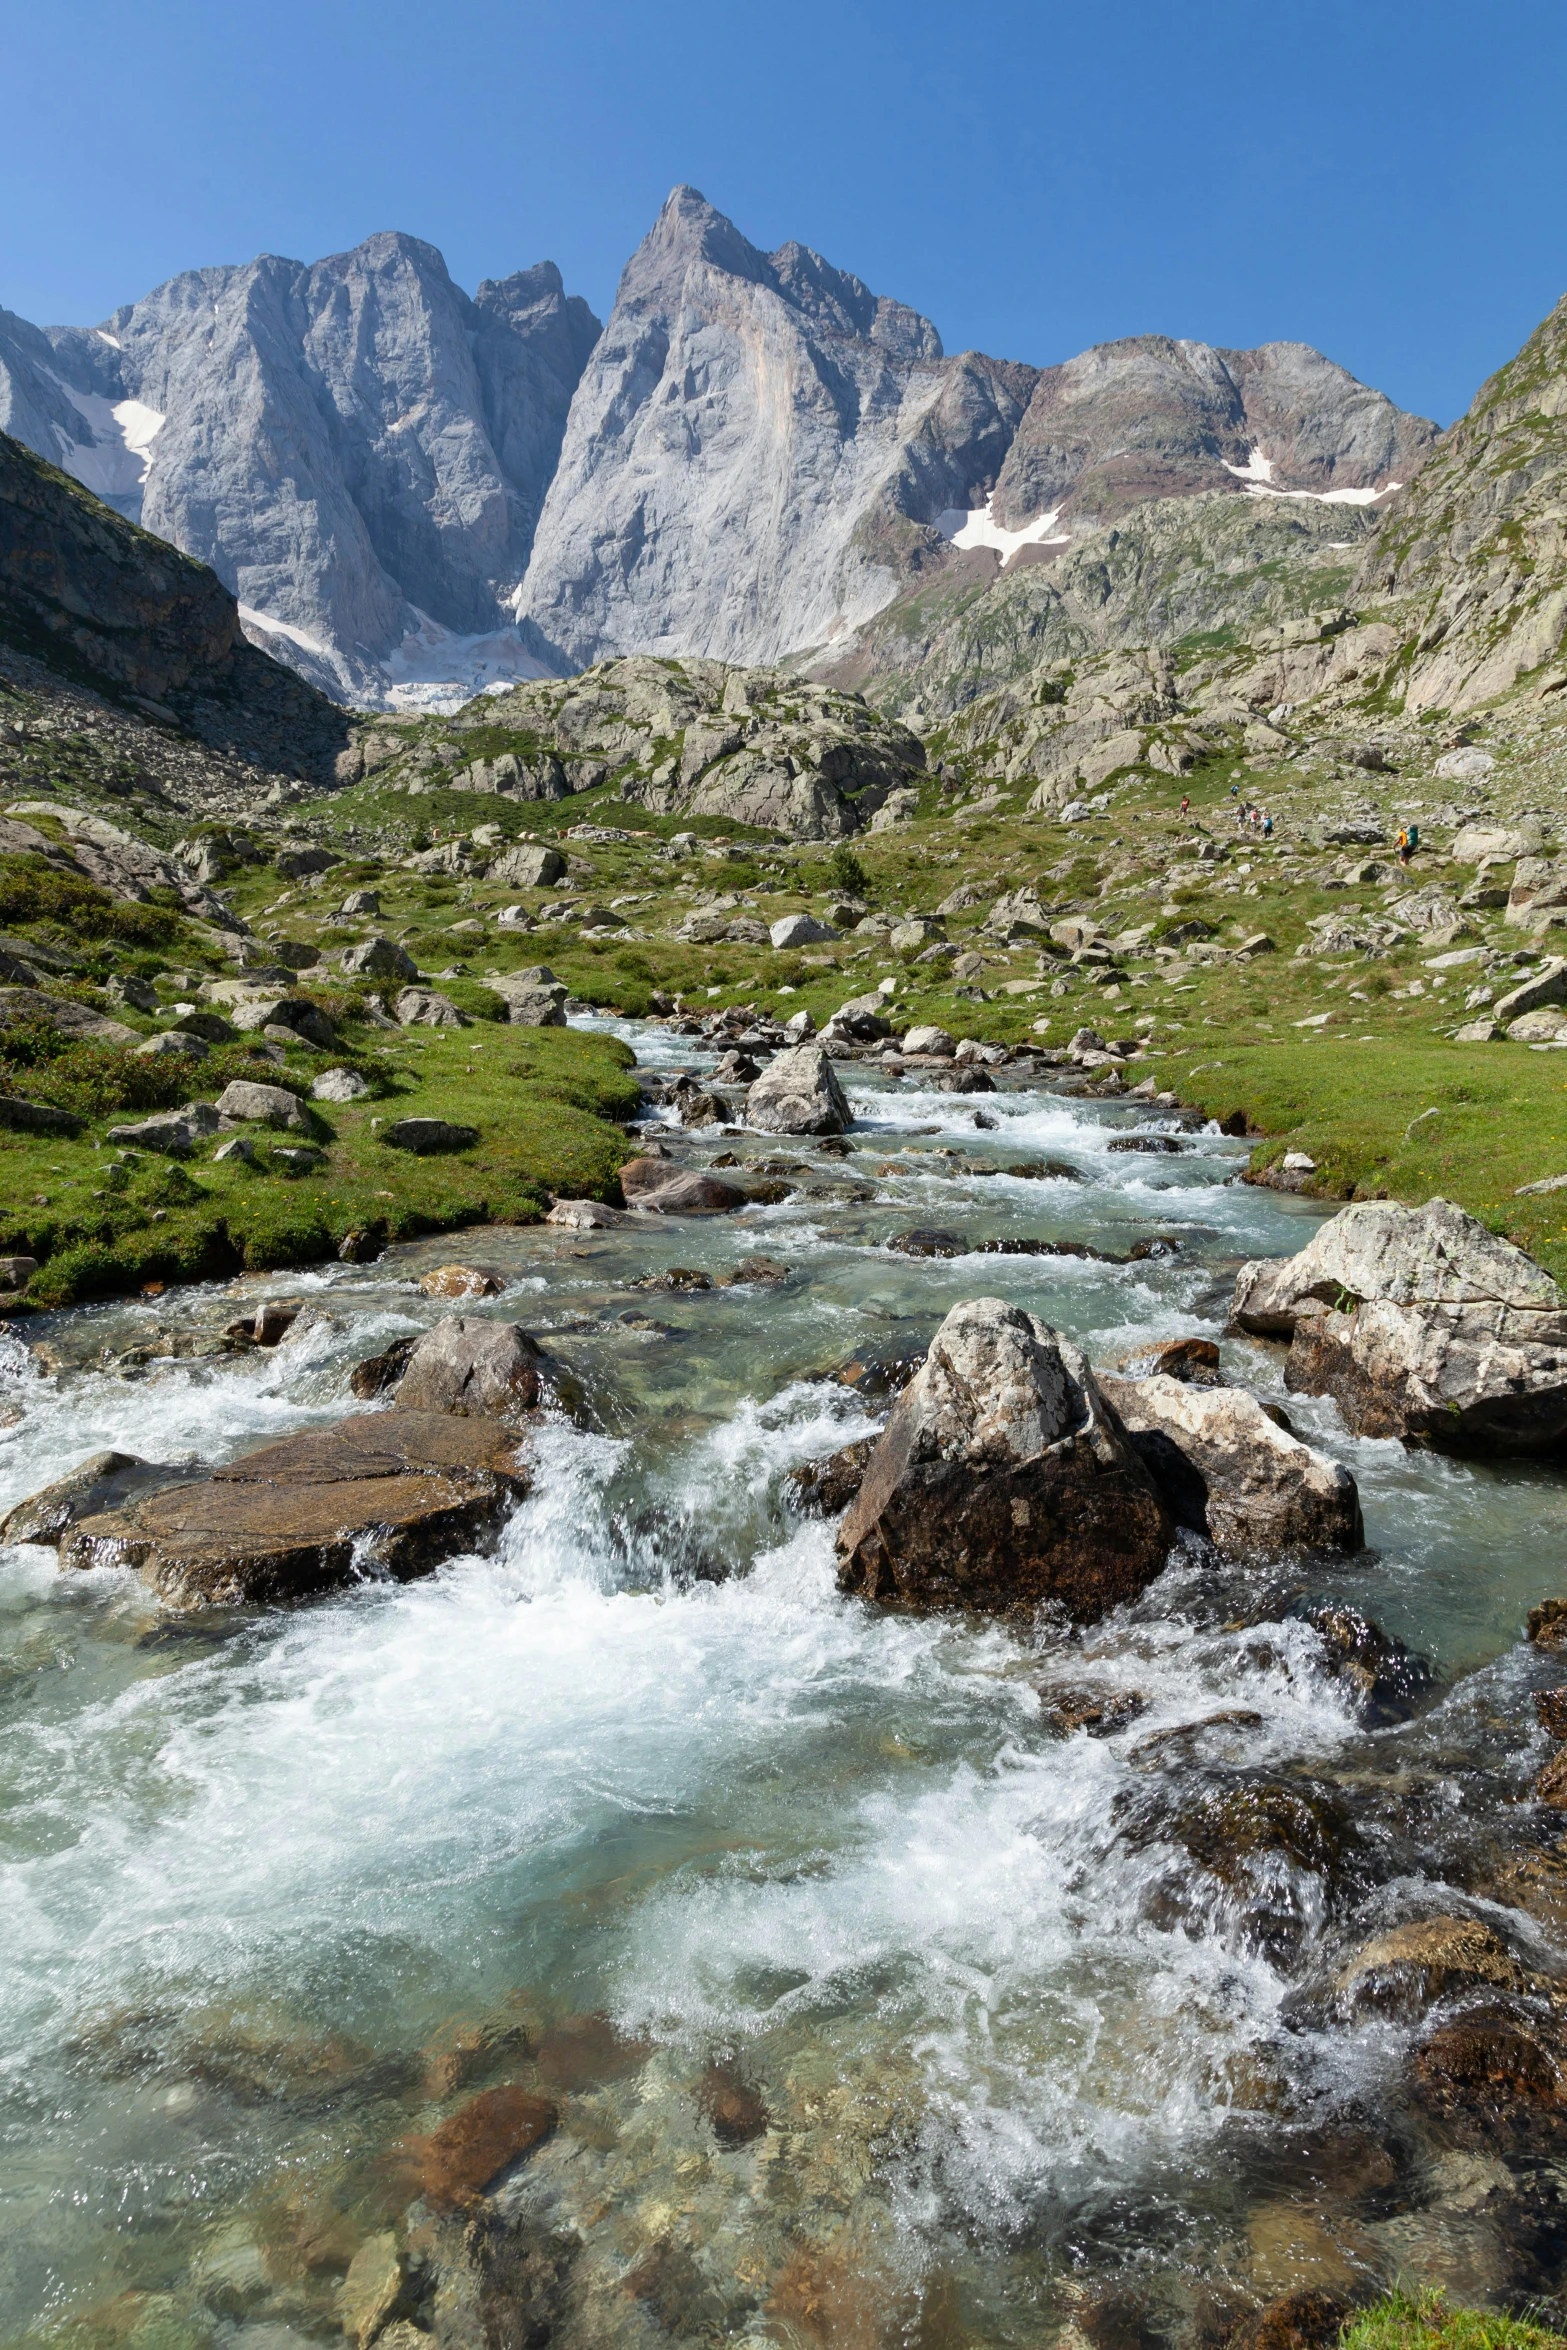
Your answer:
<point x="114" y="465"/>
<point x="269" y="625"/>
<point x="1257" y="474"/>
<point x="104" y="336"/>
<point x="433" y="669"/>
<point x="966" y="527"/>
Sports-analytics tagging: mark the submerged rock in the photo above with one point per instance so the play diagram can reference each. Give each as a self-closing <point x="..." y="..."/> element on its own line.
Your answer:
<point x="1420" y="1324"/>
<point x="798" y="1093"/>
<point x="1411" y="1967"/>
<point x="1388" y="1681"/>
<point x="469" y="2152"/>
<point x="396" y="1491"/>
<point x="1227" y="1471"/>
<point x="1003" y="1477"/>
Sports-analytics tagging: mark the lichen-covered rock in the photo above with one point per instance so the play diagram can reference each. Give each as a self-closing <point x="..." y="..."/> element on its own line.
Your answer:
<point x="266" y="1105"/>
<point x="378" y="958"/>
<point x="1003" y="1477"/>
<point x="1421" y="1324"/>
<point x="798" y="1093"/>
<point x="1227" y="1470"/>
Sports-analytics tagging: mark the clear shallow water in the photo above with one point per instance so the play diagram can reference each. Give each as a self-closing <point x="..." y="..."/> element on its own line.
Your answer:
<point x="1010" y="2039"/>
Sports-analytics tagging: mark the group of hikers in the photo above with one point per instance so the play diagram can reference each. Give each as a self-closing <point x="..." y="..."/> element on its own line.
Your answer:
<point x="1249" y="817"/>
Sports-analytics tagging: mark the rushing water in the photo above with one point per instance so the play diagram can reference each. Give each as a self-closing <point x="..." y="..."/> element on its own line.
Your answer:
<point x="1009" y="2044"/>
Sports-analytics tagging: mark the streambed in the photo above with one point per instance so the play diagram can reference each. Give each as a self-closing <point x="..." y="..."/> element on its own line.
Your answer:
<point x="871" y="2007"/>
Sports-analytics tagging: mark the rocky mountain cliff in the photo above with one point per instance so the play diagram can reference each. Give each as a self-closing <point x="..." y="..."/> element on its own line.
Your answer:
<point x="110" y="606"/>
<point x="1476" y="555"/>
<point x="754" y="451"/>
<point x="358" y="449"/>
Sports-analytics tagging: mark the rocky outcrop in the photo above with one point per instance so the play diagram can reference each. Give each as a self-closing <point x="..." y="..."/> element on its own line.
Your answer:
<point x="693" y="737"/>
<point x="1420" y="1324"/>
<point x="1476" y="554"/>
<point x="119" y="609"/>
<point x="398" y="1490"/>
<point x="1004" y="1478"/>
<point x="798" y="1093"/>
<point x="358" y="449"/>
<point x="1227" y="1470"/>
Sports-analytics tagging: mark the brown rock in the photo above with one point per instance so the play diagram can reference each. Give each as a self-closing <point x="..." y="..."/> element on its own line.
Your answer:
<point x="1412" y="1966"/>
<point x="1101" y="1712"/>
<point x="755" y="1273"/>
<point x="373" y="2290"/>
<point x="379" y="1372"/>
<point x="468" y="2153"/>
<point x="467" y="2048"/>
<point x="101" y="1482"/>
<point x="585" y="2050"/>
<point x="1548" y="1624"/>
<point x="732" y="2105"/>
<point x="820" y="1489"/>
<point x="404" y="1489"/>
<point x="1003" y="1477"/>
<point x="1550" y="1708"/>
<point x="1489" y="2061"/>
<point x="1311" y="2318"/>
<point x="1551" y="1786"/>
<point x="648" y="1173"/>
<point x="463" y="1281"/>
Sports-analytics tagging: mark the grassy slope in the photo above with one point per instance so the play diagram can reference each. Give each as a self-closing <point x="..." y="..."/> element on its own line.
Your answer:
<point x="1403" y="2322"/>
<point x="1225" y="1039"/>
<point x="542" y="1100"/>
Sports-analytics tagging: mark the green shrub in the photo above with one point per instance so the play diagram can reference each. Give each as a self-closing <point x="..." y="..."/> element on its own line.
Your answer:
<point x="32" y="890"/>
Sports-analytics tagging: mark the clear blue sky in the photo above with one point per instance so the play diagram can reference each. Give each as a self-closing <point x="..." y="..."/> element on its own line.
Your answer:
<point x="1387" y="181"/>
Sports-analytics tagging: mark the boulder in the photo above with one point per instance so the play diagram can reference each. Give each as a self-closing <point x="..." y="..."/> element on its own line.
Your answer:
<point x="426" y="1007"/>
<point x="427" y="1136"/>
<point x="173" y="1132"/>
<point x="1546" y="986"/>
<point x="399" y="1491"/>
<point x="801" y="930"/>
<point x="586" y="1215"/>
<point x="798" y="1093"/>
<point x="263" y="1105"/>
<point x="1003" y="1478"/>
<point x="468" y="2153"/>
<point x="528" y="865"/>
<point x="1408" y="1969"/>
<point x="1420" y="1324"/>
<point x="377" y="958"/>
<point x="361" y="901"/>
<point x="30" y="1007"/>
<point x="101" y="1482"/>
<point x="927" y="1041"/>
<point x="18" y="1116"/>
<point x="1226" y="1470"/>
<point x="474" y="1367"/>
<point x="689" y="1194"/>
<point x="296" y="1016"/>
<point x="339" y="1085"/>
<point x="171" y="1044"/>
<point x="462" y="1281"/>
<point x="533" y="999"/>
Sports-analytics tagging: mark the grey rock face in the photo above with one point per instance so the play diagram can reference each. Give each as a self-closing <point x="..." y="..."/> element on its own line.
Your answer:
<point x="1228" y="1471"/>
<point x="798" y="1093"/>
<point x="355" y="446"/>
<point x="1149" y="417"/>
<point x="752" y="441"/>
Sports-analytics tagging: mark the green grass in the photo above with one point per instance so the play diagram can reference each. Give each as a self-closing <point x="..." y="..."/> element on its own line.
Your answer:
<point x="546" y="1103"/>
<point x="1426" y="2322"/>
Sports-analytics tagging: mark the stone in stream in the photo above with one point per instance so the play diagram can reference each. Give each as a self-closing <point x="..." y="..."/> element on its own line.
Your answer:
<point x="821" y="1489"/>
<point x="1389" y="1682"/>
<point x="471" y="1366"/>
<point x="798" y="1093"/>
<point x="397" y="1491"/>
<point x="374" y="2291"/>
<point x="1408" y="1969"/>
<point x="101" y="1482"/>
<point x="967" y="1080"/>
<point x="1420" y="1324"/>
<point x="659" y="1186"/>
<point x="1227" y="1471"/>
<point x="1003" y="1477"/>
<point x="462" y="1281"/>
<point x="586" y="1215"/>
<point x="480" y="2141"/>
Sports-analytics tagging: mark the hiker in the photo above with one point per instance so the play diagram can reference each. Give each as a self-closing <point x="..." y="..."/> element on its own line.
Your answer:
<point x="1186" y="801"/>
<point x="1267" y="828"/>
<point x="1403" y="844"/>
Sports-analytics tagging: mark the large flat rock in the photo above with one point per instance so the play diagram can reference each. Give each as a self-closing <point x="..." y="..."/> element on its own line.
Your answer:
<point x="389" y="1492"/>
